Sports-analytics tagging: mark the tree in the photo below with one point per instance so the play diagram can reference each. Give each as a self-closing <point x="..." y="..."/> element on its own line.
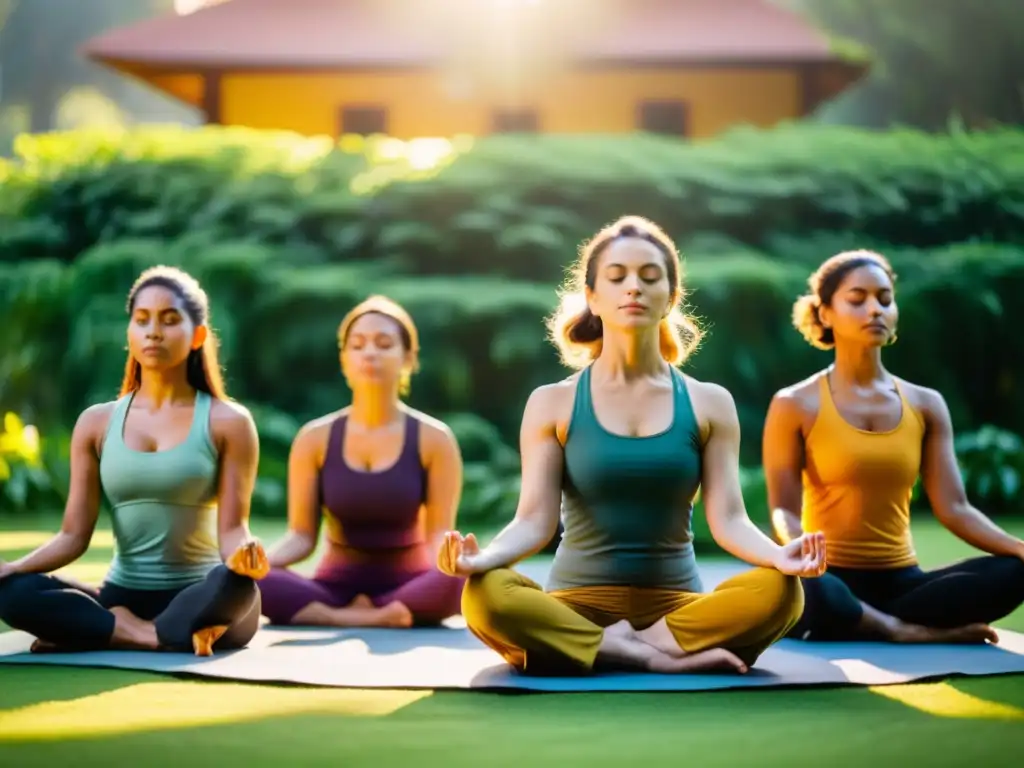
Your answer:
<point x="39" y="40"/>
<point x="934" y="60"/>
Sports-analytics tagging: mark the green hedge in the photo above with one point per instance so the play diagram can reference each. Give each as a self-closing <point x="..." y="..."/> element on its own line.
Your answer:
<point x="509" y="205"/>
<point x="484" y="349"/>
<point x="287" y="234"/>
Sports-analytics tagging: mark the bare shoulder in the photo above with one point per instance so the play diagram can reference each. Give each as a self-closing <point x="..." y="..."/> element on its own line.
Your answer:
<point x="321" y="425"/>
<point x="229" y="412"/>
<point x="709" y="396"/>
<point x="92" y="424"/>
<point x="231" y="415"/>
<point x="928" y="402"/>
<point x="713" y="404"/>
<point x="550" y="405"/>
<point x="795" y="408"/>
<point x="714" y="408"/>
<point x="313" y="435"/>
<point x="95" y="419"/>
<point x="431" y="427"/>
<point x="436" y="437"/>
<point x="231" y="421"/>
<point x="551" y="399"/>
<point x="801" y="398"/>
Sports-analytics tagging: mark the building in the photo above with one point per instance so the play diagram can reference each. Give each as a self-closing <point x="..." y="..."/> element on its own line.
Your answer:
<point x="413" y="68"/>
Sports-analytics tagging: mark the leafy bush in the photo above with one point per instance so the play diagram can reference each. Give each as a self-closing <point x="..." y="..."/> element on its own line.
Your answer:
<point x="483" y="340"/>
<point x="992" y="464"/>
<point x="288" y="233"/>
<point x="517" y="206"/>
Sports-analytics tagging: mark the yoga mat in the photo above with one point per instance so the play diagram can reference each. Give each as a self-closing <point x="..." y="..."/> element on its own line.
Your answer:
<point x="451" y="658"/>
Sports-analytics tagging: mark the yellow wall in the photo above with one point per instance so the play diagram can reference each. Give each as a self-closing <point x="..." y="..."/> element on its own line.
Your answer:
<point x="432" y="104"/>
<point x="188" y="88"/>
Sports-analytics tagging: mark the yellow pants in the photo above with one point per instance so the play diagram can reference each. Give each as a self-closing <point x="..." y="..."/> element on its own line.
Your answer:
<point x="559" y="632"/>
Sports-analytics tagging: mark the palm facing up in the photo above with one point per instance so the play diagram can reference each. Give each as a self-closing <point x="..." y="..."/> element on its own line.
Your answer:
<point x="459" y="555"/>
<point x="250" y="559"/>
<point x="804" y="556"/>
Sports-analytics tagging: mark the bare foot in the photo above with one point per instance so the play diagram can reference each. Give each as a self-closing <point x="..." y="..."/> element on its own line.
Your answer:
<point x="622" y="646"/>
<point x="359" y="613"/>
<point x="44" y="646"/>
<point x="660" y="636"/>
<point x="131" y="632"/>
<point x="620" y="629"/>
<point x="394" y="614"/>
<point x="970" y="634"/>
<point x="711" y="660"/>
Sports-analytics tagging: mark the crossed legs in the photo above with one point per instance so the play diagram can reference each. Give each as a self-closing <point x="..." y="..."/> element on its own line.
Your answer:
<point x="578" y="630"/>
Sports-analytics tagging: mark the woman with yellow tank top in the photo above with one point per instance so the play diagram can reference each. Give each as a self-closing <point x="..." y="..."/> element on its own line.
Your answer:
<point x="177" y="462"/>
<point x="842" y="452"/>
<point x="620" y="448"/>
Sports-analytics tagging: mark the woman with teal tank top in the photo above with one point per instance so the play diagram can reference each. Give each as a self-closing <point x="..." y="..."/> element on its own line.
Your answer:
<point x="177" y="462"/>
<point x="622" y="447"/>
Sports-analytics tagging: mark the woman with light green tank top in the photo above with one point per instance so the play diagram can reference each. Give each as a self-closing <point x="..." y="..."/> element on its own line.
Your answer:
<point x="622" y="448"/>
<point x="163" y="504"/>
<point x="176" y="460"/>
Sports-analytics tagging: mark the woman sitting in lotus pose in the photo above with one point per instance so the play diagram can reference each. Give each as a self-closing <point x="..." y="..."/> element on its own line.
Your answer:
<point x="627" y="441"/>
<point x="177" y="461"/>
<point x="389" y="480"/>
<point x="842" y="453"/>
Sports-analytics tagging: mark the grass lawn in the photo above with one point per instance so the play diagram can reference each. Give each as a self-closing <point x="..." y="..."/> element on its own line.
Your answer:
<point x="50" y="716"/>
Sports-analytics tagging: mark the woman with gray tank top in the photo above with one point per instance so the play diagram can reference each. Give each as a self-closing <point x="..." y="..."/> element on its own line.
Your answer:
<point x="626" y="443"/>
<point x="177" y="461"/>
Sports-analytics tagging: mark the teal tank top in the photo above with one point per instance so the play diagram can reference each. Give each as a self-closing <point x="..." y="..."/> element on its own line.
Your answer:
<point x="163" y="504"/>
<point x="627" y="502"/>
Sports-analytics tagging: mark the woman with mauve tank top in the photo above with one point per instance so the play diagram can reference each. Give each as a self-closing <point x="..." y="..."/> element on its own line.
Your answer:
<point x="386" y="480"/>
<point x="842" y="453"/>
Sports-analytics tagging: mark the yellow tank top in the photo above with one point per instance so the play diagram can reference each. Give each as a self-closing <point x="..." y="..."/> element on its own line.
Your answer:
<point x="857" y="486"/>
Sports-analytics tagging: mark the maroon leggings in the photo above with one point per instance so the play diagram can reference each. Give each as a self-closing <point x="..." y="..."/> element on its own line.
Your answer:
<point x="430" y="595"/>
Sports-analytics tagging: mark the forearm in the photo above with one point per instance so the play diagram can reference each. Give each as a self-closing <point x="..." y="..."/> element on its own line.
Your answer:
<point x="738" y="536"/>
<point x="517" y="541"/>
<point x="973" y="527"/>
<point x="234" y="537"/>
<point x="293" y="548"/>
<point x="63" y="549"/>
<point x="786" y="524"/>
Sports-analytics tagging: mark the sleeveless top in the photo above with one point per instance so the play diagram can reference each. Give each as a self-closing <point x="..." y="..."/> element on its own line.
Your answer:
<point x="374" y="510"/>
<point x="627" y="502"/>
<point x="163" y="504"/>
<point x="857" y="486"/>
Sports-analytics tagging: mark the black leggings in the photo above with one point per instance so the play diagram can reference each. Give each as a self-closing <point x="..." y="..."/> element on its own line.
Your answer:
<point x="64" y="615"/>
<point x="979" y="590"/>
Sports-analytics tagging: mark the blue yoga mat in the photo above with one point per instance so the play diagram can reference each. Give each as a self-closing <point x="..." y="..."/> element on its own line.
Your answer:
<point x="451" y="658"/>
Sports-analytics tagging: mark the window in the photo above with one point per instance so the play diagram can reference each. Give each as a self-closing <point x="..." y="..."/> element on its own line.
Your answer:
<point x="667" y="117"/>
<point x="515" y="121"/>
<point x="364" y="121"/>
